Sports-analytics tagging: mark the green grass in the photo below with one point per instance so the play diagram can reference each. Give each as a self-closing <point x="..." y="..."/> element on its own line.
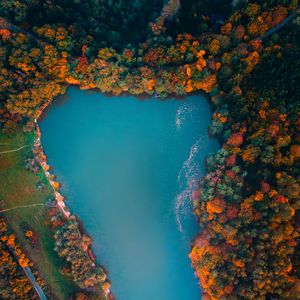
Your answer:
<point x="18" y="188"/>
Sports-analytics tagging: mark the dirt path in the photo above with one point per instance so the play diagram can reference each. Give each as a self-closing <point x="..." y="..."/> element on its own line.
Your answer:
<point x="22" y="206"/>
<point x="13" y="150"/>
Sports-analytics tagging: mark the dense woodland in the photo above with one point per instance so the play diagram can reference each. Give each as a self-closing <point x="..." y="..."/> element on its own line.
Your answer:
<point x="108" y="23"/>
<point x="74" y="246"/>
<point x="245" y="54"/>
<point x="13" y="281"/>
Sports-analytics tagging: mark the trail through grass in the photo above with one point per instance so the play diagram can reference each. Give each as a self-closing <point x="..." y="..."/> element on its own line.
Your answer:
<point x="18" y="189"/>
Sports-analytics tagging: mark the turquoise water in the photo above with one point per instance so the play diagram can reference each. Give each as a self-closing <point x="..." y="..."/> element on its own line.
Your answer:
<point x="128" y="168"/>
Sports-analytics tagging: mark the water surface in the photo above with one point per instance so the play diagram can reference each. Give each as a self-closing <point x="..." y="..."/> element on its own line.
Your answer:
<point x="128" y="168"/>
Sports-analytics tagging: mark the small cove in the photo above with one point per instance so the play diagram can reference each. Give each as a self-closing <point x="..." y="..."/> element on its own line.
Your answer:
<point x="128" y="168"/>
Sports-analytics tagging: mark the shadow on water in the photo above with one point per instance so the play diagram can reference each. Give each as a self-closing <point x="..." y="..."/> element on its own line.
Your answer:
<point x="62" y="99"/>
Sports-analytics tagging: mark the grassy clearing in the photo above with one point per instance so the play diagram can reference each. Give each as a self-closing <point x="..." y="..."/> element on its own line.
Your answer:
<point x="18" y="188"/>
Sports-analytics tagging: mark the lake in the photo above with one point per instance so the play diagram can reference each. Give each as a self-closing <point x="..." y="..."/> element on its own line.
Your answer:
<point x="128" y="168"/>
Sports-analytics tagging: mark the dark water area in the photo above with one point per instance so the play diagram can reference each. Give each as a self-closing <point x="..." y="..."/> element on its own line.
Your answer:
<point x="128" y="168"/>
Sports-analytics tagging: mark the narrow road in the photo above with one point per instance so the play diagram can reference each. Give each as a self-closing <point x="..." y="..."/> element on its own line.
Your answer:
<point x="279" y="26"/>
<point x="30" y="276"/>
<point x="36" y="286"/>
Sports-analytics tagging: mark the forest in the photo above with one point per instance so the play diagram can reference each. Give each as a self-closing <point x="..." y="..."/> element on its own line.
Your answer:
<point x="245" y="55"/>
<point x="14" y="284"/>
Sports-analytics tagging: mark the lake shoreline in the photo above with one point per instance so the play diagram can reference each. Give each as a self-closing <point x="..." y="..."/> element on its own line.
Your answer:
<point x="63" y="98"/>
<point x="59" y="198"/>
